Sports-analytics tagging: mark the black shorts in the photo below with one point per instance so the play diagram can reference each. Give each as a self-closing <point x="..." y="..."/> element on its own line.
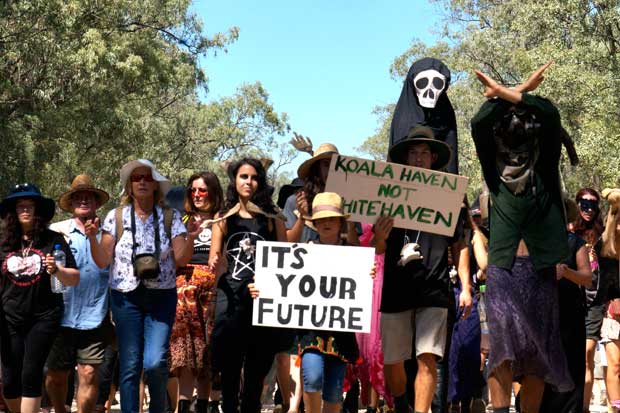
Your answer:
<point x="594" y="321"/>
<point x="74" y="346"/>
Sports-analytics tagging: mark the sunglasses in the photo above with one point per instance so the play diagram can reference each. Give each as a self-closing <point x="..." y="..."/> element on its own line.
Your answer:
<point x="588" y="205"/>
<point x="138" y="178"/>
<point x="200" y="191"/>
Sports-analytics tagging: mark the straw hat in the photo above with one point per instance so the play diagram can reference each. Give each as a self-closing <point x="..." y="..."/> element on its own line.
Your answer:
<point x="422" y="134"/>
<point x="325" y="150"/>
<point x="327" y="205"/>
<point x="81" y="183"/>
<point x="164" y="183"/>
<point x="45" y="207"/>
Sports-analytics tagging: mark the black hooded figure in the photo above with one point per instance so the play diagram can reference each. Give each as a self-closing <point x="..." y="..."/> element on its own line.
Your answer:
<point x="423" y="101"/>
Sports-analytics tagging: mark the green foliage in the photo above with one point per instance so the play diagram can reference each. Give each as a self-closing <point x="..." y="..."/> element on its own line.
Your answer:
<point x="87" y="85"/>
<point x="509" y="40"/>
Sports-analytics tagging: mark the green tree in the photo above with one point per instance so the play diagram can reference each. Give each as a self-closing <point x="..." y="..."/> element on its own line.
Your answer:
<point x="510" y="39"/>
<point x="88" y="85"/>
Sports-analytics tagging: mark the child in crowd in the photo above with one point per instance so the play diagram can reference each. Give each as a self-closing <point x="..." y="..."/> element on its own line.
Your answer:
<point x="325" y="354"/>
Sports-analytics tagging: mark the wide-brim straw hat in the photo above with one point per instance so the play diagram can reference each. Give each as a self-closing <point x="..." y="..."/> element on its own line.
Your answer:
<point x="82" y="183"/>
<point x="421" y="134"/>
<point x="164" y="183"/>
<point x="44" y="207"/>
<point x="325" y="150"/>
<point x="327" y="205"/>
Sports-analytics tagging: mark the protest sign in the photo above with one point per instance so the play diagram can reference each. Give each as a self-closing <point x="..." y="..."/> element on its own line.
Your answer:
<point x="313" y="286"/>
<point x="417" y="198"/>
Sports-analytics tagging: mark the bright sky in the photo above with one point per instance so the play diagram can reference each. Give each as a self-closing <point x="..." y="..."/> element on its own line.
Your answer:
<point x="324" y="62"/>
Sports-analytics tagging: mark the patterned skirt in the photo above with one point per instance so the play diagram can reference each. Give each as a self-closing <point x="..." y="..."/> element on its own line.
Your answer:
<point x="524" y="326"/>
<point x="192" y="327"/>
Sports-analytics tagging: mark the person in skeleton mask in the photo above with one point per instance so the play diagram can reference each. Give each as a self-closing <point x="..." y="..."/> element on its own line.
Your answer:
<point x="424" y="101"/>
<point x="518" y="141"/>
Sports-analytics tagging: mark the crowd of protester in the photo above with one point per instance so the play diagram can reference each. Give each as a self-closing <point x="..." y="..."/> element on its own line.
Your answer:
<point x="158" y="294"/>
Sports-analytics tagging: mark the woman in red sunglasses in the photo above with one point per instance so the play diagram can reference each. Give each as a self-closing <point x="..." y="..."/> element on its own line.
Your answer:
<point x="195" y="296"/>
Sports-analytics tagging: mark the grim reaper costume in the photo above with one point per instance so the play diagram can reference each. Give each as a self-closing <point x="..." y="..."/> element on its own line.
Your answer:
<point x="423" y="101"/>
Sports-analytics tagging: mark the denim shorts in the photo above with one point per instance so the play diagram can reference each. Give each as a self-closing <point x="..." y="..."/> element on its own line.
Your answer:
<point x="324" y="373"/>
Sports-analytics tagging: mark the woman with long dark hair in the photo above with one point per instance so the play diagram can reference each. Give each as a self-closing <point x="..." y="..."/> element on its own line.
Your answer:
<point x="31" y="312"/>
<point x="589" y="226"/>
<point x="248" y="216"/>
<point x="189" y="351"/>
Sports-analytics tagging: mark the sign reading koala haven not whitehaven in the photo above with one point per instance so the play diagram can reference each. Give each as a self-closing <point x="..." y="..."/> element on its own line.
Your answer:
<point x="313" y="286"/>
<point x="417" y="198"/>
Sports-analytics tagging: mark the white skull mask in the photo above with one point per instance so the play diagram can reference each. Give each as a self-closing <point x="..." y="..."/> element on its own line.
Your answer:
<point x="429" y="84"/>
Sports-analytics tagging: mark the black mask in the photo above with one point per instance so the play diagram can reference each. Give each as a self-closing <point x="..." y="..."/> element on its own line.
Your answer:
<point x="588" y="205"/>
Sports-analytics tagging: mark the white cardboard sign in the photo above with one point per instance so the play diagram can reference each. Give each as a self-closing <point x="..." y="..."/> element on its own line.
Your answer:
<point x="417" y="198"/>
<point x="313" y="286"/>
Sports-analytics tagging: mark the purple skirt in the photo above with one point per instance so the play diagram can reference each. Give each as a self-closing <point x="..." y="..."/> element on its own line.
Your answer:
<point x="524" y="326"/>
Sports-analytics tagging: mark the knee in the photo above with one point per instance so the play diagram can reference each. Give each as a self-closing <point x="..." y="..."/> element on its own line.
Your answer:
<point x="56" y="378"/>
<point x="87" y="374"/>
<point x="427" y="364"/>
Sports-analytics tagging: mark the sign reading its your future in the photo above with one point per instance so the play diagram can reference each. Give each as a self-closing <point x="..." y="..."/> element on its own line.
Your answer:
<point x="313" y="286"/>
<point x="417" y="198"/>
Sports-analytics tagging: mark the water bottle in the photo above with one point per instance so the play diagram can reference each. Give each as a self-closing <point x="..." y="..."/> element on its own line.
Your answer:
<point x="60" y="259"/>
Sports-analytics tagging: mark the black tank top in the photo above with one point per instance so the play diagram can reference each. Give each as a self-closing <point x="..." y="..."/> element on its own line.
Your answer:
<point x="240" y="245"/>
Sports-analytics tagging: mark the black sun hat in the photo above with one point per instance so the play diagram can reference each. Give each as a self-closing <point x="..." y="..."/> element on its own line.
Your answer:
<point x="422" y="134"/>
<point x="45" y="207"/>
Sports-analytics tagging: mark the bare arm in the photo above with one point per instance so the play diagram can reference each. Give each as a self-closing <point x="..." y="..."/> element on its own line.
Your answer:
<point x="102" y="252"/>
<point x="182" y="246"/>
<point x="460" y="252"/>
<point x="582" y="275"/>
<point x="294" y="234"/>
<point x="68" y="276"/>
<point x="215" y="253"/>
<point x="495" y="90"/>
<point x="281" y="231"/>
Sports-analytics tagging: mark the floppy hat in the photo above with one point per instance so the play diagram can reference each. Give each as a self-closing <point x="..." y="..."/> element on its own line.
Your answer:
<point x="81" y="183"/>
<point x="288" y="190"/>
<point x="325" y="150"/>
<point x="421" y="134"/>
<point x="44" y="206"/>
<point x="164" y="183"/>
<point x="327" y="205"/>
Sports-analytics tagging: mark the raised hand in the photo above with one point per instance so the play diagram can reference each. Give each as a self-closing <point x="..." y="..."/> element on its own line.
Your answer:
<point x="301" y="143"/>
<point x="302" y="203"/>
<point x="383" y="227"/>
<point x="535" y="79"/>
<point x="91" y="227"/>
<point x="491" y="87"/>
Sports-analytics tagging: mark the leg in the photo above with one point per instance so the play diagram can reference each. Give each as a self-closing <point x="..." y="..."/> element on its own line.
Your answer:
<point x="88" y="387"/>
<point x="396" y="343"/>
<point x="333" y="380"/>
<point x="129" y="318"/>
<point x="431" y="326"/>
<point x="425" y="381"/>
<point x="500" y="382"/>
<point x="257" y="364"/>
<point x="612" y="378"/>
<point x="56" y="386"/>
<point x="186" y="388"/>
<point x="12" y="356"/>
<point x="106" y="374"/>
<point x="589" y="380"/>
<point x="312" y="369"/>
<point x="283" y="366"/>
<point x="157" y="326"/>
<point x="295" y="384"/>
<point x="532" y="388"/>
<point x="36" y="350"/>
<point x="172" y="390"/>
